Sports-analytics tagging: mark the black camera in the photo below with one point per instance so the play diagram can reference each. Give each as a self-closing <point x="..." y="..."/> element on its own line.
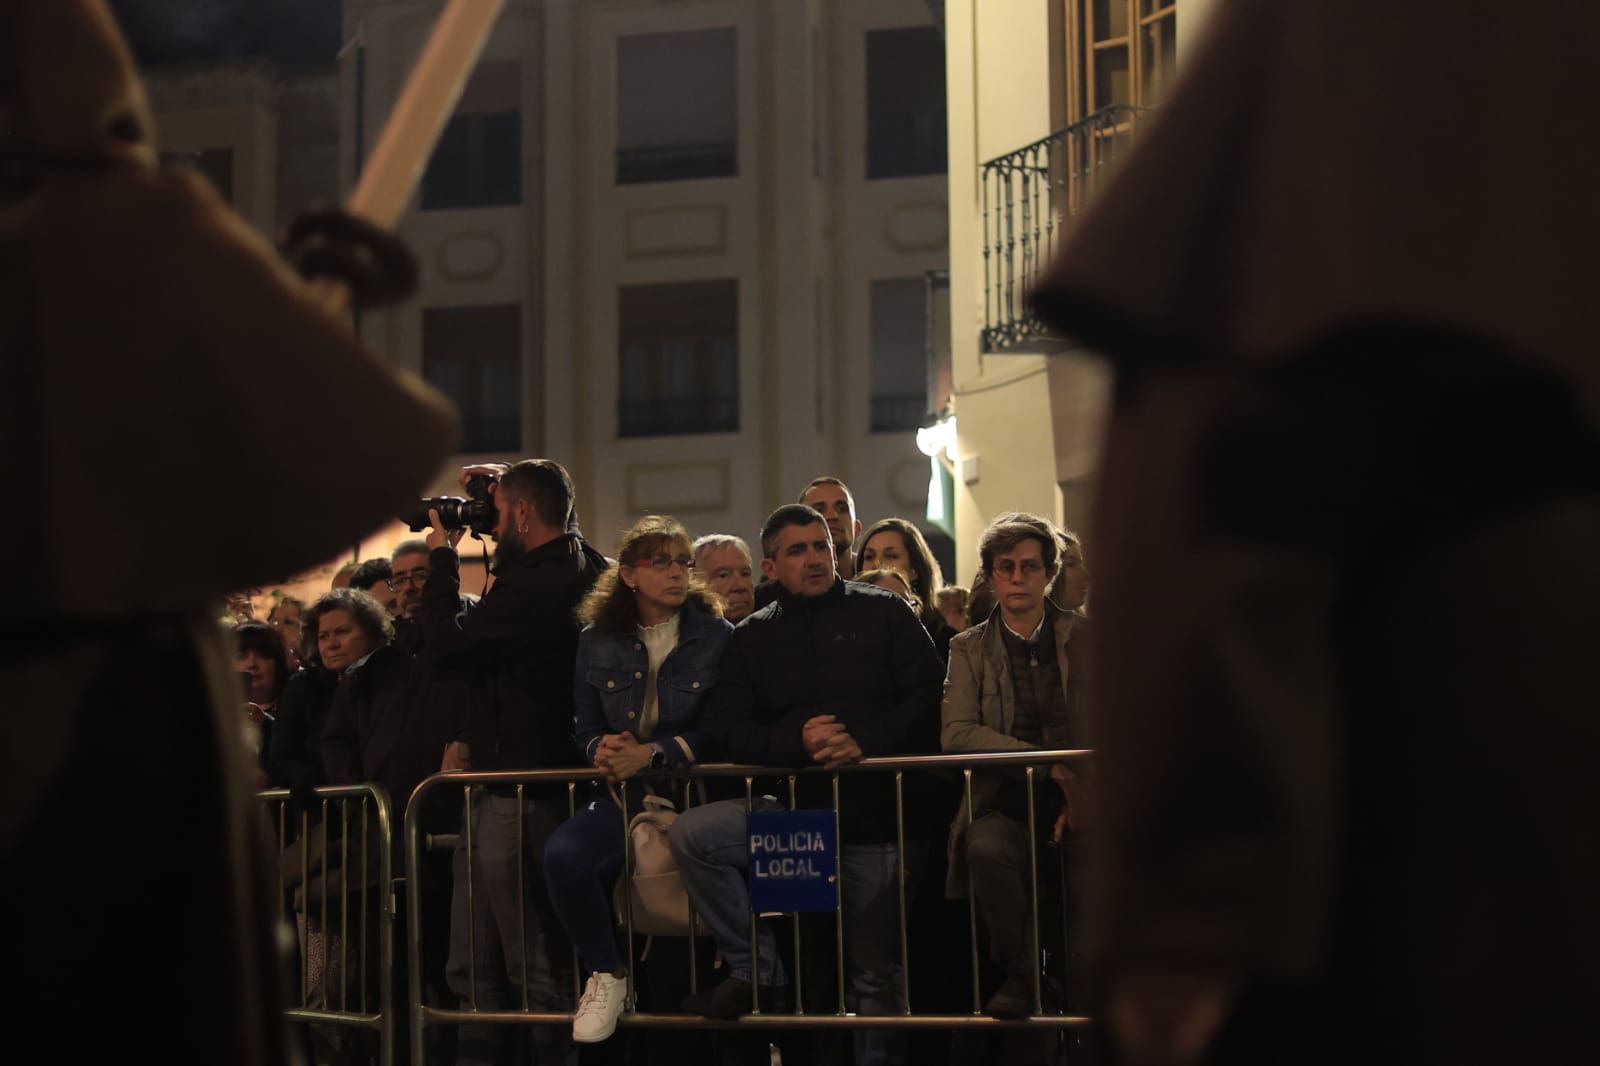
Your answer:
<point x="476" y="511"/>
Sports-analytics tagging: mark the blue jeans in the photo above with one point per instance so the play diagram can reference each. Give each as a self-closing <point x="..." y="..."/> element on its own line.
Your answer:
<point x="712" y="846"/>
<point x="581" y="865"/>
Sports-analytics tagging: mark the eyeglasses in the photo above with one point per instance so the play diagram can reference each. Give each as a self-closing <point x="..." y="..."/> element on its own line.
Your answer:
<point x="415" y="578"/>
<point x="1029" y="567"/>
<point x="667" y="562"/>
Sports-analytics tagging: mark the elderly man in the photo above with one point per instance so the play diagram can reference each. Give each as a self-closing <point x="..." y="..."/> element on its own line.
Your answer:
<point x="723" y="562"/>
<point x="408" y="572"/>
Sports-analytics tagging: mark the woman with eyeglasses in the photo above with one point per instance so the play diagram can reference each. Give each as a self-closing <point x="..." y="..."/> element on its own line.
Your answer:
<point x="1015" y="683"/>
<point x="646" y="659"/>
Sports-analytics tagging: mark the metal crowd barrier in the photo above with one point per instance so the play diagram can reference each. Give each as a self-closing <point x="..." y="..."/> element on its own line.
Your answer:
<point x="340" y="892"/>
<point x="1028" y="762"/>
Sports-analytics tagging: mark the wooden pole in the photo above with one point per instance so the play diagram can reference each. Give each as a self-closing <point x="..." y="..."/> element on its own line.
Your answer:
<point x="430" y="96"/>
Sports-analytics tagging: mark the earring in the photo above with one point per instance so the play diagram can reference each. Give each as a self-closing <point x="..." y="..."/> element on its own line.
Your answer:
<point x="522" y="528"/>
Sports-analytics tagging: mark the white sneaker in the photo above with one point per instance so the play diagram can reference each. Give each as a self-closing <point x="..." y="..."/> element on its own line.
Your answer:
<point x="604" y="998"/>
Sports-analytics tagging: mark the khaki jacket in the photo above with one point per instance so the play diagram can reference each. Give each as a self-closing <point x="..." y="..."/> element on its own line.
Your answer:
<point x="978" y="711"/>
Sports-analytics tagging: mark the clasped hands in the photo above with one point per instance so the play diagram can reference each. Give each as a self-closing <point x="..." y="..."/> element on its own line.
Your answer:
<point x="828" y="742"/>
<point x="619" y="756"/>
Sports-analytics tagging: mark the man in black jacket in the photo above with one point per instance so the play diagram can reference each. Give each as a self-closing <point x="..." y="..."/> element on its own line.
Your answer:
<point x="829" y="673"/>
<point x="516" y="648"/>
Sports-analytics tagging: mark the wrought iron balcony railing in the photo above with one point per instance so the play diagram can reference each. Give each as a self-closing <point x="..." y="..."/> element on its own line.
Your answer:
<point x="1030" y="197"/>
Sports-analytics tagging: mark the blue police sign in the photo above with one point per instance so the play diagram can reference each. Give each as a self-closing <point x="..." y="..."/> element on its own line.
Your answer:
<point x="794" y="861"/>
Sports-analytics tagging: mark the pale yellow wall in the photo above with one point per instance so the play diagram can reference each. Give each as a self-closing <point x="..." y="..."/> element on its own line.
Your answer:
<point x="1033" y="423"/>
<point x="1193" y="16"/>
<point x="997" y="74"/>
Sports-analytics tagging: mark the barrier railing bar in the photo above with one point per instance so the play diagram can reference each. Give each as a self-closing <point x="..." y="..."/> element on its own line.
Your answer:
<point x="472" y="910"/>
<point x="838" y="899"/>
<point x="577" y="964"/>
<point x="765" y="1020"/>
<point x="1033" y="897"/>
<point x="955" y="762"/>
<point x="755" y="919"/>
<point x="900" y="873"/>
<point x="522" y="891"/>
<point x="327" y="1000"/>
<point x="972" y="903"/>
<point x="627" y="895"/>
<point x="694" y="917"/>
<point x="799" y="971"/>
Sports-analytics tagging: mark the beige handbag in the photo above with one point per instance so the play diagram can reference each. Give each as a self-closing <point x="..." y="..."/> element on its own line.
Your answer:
<point x="660" y="902"/>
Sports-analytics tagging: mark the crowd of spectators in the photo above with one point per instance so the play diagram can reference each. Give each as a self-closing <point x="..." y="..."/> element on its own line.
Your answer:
<point x="675" y="651"/>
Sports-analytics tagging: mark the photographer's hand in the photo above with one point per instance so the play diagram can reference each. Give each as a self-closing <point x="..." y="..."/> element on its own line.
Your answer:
<point x="438" y="536"/>
<point x="494" y="470"/>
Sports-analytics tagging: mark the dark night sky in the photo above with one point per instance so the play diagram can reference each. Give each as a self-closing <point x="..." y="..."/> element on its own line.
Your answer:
<point x="287" y="32"/>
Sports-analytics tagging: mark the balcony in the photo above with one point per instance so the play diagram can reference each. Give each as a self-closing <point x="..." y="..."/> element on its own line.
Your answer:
<point x="677" y="416"/>
<point x="1030" y="197"/>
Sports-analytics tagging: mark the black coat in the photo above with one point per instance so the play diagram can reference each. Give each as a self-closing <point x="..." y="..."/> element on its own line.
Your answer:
<point x="516" y="646"/>
<point x="384" y="727"/>
<point x="294" y="748"/>
<point x="856" y="652"/>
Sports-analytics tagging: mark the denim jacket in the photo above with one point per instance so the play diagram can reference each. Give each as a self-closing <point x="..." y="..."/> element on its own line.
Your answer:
<point x="610" y="682"/>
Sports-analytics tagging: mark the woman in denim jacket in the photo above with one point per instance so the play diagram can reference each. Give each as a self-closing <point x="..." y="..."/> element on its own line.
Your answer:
<point x="646" y="659"/>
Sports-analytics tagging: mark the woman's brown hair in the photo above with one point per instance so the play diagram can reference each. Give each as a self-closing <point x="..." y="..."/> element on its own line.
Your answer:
<point x="613" y="607"/>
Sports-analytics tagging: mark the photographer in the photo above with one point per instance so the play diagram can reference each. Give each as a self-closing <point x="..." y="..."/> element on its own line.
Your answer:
<point x="516" y="648"/>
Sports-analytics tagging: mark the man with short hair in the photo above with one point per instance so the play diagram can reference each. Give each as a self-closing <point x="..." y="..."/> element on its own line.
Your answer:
<point x="830" y="672"/>
<point x="516" y="649"/>
<point x="372" y="577"/>
<point x="723" y="562"/>
<point x="1013" y="685"/>
<point x="408" y="573"/>
<point x="831" y="498"/>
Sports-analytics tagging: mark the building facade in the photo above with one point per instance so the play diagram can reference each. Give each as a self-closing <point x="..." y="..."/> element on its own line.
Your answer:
<point x="680" y="247"/>
<point x="1044" y="97"/>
